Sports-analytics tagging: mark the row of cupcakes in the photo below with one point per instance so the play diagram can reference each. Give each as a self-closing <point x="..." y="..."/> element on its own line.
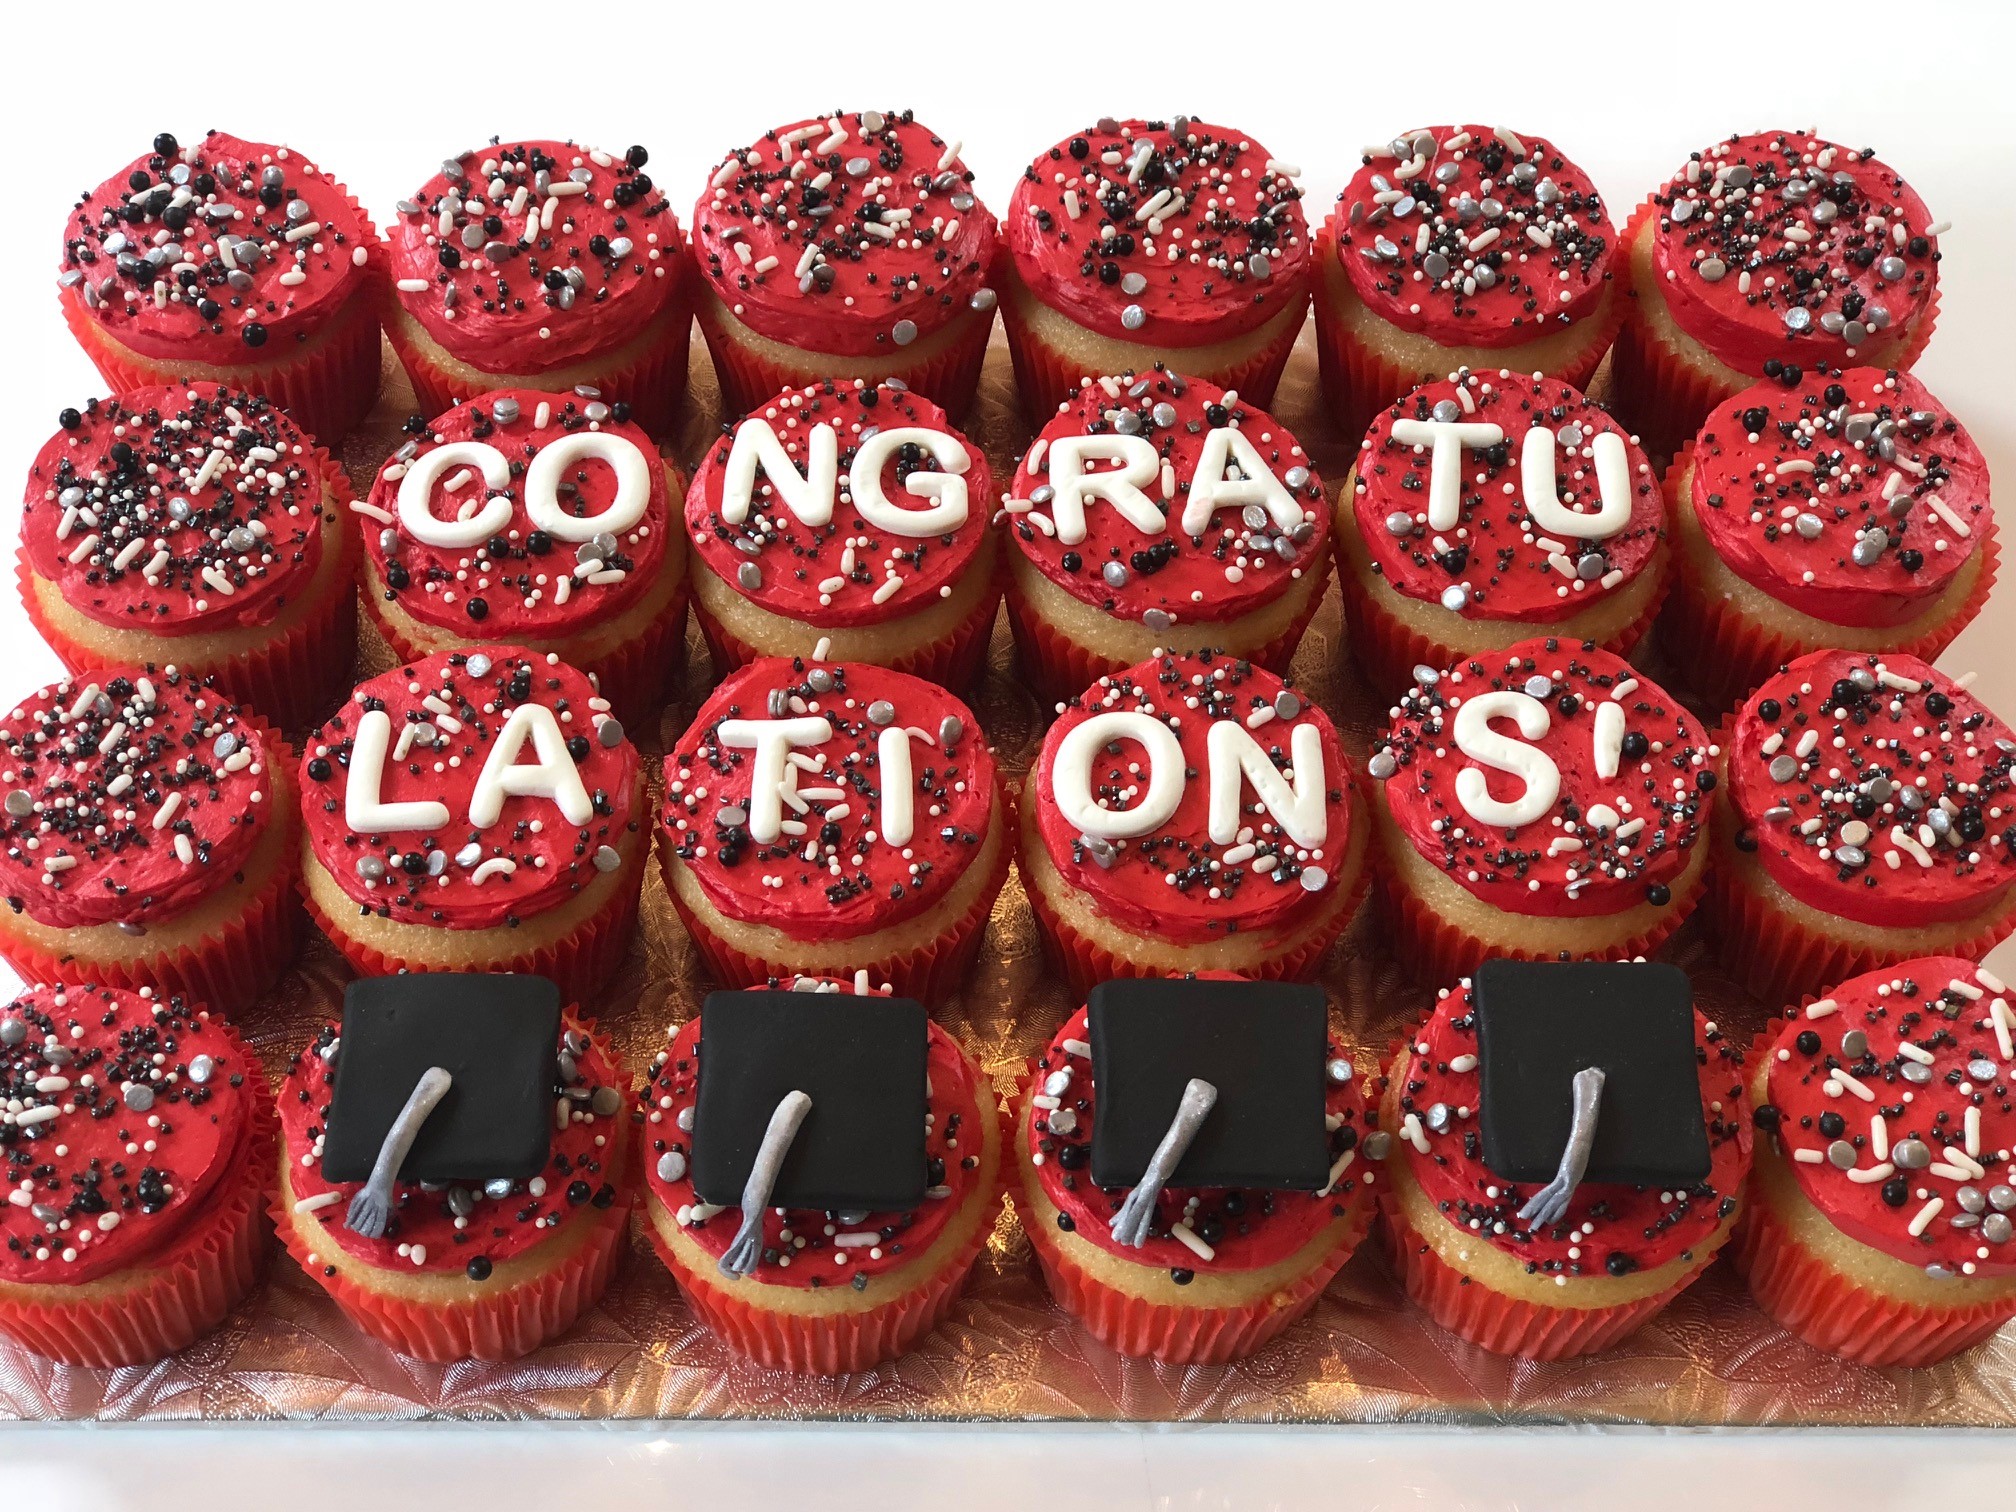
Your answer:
<point x="855" y="246"/>
<point x="1553" y="1155"/>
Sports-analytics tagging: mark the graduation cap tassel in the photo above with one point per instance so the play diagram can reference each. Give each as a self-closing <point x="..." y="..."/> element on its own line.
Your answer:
<point x="1550" y="1204"/>
<point x="370" y="1211"/>
<point x="742" y="1256"/>
<point x="1130" y="1224"/>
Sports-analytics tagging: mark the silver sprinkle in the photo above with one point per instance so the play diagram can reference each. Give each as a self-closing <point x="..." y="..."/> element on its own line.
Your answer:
<point x="1339" y="1070"/>
<point x="1910" y="1154"/>
<point x="1314" y="879"/>
<point x="606" y="858"/>
<point x="370" y="868"/>
<point x="1971" y="1199"/>
<point x="1400" y="523"/>
<point x="501" y="1187"/>
<point x="610" y="733"/>
<point x="469" y="855"/>
<point x="1448" y="411"/>
<point x="1842" y="1154"/>
<point x="606" y="1102"/>
<point x="1809" y="525"/>
<point x="1133" y="283"/>
<point x="20" y="803"/>
<point x="1157" y="619"/>
<point x="1115" y="574"/>
<point x="950" y="729"/>
<point x="1996" y="1228"/>
<point x="1438" y="1118"/>
<point x="461" y="1201"/>
<point x="138" y="1097"/>
<point x="819" y="680"/>
<point x="1854" y="1044"/>
<point x="903" y="332"/>
<point x="1916" y="1073"/>
<point x="1455" y="598"/>
<point x="671" y="1166"/>
<point x="1133" y="317"/>
<point x="750" y="576"/>
<point x="1540" y="685"/>
<point x="1382" y="765"/>
<point x="202" y="1069"/>
<point x="881" y="712"/>
<point x="1378" y="1145"/>
<point x="1286" y="704"/>
<point x="1784" y="768"/>
<point x="1713" y="269"/>
<point x="504" y="411"/>
<point x="479" y="665"/>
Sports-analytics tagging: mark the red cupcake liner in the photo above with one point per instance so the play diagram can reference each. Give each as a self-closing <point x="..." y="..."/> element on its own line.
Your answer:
<point x="932" y="974"/>
<point x="1437" y="951"/>
<point x="1808" y="1297"/>
<point x="582" y="961"/>
<point x="949" y="378"/>
<point x="954" y="660"/>
<point x="1659" y="389"/>
<point x="294" y="679"/>
<point x="182" y="1293"/>
<point x="1728" y="656"/>
<point x="1501" y="1324"/>
<point x="1046" y="377"/>
<point x="228" y="970"/>
<point x="1388" y="649"/>
<point x="1059" y="668"/>
<point x="1358" y="381"/>
<point x="652" y="383"/>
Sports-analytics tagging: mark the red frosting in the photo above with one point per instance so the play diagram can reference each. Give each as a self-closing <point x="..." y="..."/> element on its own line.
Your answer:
<point x="1499" y="562"/>
<point x="1230" y="215"/>
<point x="139" y="509"/>
<point x="130" y="796"/>
<point x="1175" y="882"/>
<point x="1788" y="482"/>
<point x="1244" y="1229"/>
<point x="203" y="274"/>
<point x="820" y="184"/>
<point x="1820" y="763"/>
<point x="514" y="576"/>
<point x="426" y="1233"/>
<point x="798" y="1247"/>
<point x="1575" y="859"/>
<point x="779" y="563"/>
<point x="442" y="875"/>
<point x="1754" y="269"/>
<point x="1238" y="563"/>
<point x="856" y="880"/>
<point x="1844" y="1101"/>
<point x="1518" y="242"/>
<point x="1609" y="1228"/>
<point x="154" y="1102"/>
<point x="510" y="296"/>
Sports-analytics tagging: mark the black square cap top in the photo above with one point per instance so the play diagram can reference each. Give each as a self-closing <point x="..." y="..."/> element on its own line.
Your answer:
<point x="497" y="1037"/>
<point x="1540" y="1022"/>
<point x="1261" y="1044"/>
<point x="862" y="1062"/>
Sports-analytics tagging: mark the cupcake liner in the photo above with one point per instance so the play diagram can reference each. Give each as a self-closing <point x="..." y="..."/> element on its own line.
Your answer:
<point x="954" y="660"/>
<point x="1358" y="381"/>
<point x="1059" y="668"/>
<point x="651" y="383"/>
<point x="295" y="678"/>
<point x="581" y="961"/>
<point x="228" y="970"/>
<point x="182" y="1293"/>
<point x="1728" y="655"/>
<point x="1660" y="389"/>
<point x="748" y="378"/>
<point x="932" y="974"/>
<point x="1437" y="951"/>
<point x="1388" y="649"/>
<point x="1501" y="1324"/>
<point x="1808" y="1297"/>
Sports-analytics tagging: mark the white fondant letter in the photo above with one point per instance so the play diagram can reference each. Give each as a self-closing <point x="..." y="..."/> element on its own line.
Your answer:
<point x="1071" y="778"/>
<point x="1476" y="739"/>
<point x="552" y="776"/>
<point x="1233" y="754"/>
<point x="1119" y="486"/>
<point x="363" y="810"/>
<point x="947" y="487"/>
<point x="1445" y="440"/>
<point x="772" y="740"/>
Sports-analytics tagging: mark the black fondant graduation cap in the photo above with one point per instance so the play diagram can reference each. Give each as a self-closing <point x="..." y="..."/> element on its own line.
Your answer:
<point x="862" y="1062"/>
<point x="496" y="1036"/>
<point x="1540" y="1022"/>
<point x="1261" y="1044"/>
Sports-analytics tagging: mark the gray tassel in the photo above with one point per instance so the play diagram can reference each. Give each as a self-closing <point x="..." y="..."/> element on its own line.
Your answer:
<point x="743" y="1256"/>
<point x="1549" y="1205"/>
<point x="1130" y="1224"/>
<point x="370" y="1211"/>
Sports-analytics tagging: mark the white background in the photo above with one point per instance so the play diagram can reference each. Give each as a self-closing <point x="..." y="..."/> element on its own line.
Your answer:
<point x="377" y="94"/>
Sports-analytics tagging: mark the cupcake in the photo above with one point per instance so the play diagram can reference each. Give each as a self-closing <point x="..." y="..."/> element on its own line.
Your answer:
<point x="1137" y="243"/>
<point x="1191" y="814"/>
<point x="434" y="844"/>
<point x="829" y="818"/>
<point x="894" y="565"/>
<point x="1463" y="528"/>
<point x="197" y="527"/>
<point x="1569" y="1153"/>
<point x="538" y="520"/>
<point x="845" y="247"/>
<point x="1574" y="837"/>
<point x="1878" y="1226"/>
<point x="542" y="265"/>
<point x="230" y="262"/>
<point x="821" y="1172"/>
<point x="1161" y="513"/>
<point x="1461" y="246"/>
<point x="455" y="1164"/>
<point x="1768" y="256"/>
<point x="150" y="837"/>
<point x="139" y="1134"/>
<point x="1866" y="822"/>
<point x="1849" y="513"/>
<point x="1197" y="1160"/>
